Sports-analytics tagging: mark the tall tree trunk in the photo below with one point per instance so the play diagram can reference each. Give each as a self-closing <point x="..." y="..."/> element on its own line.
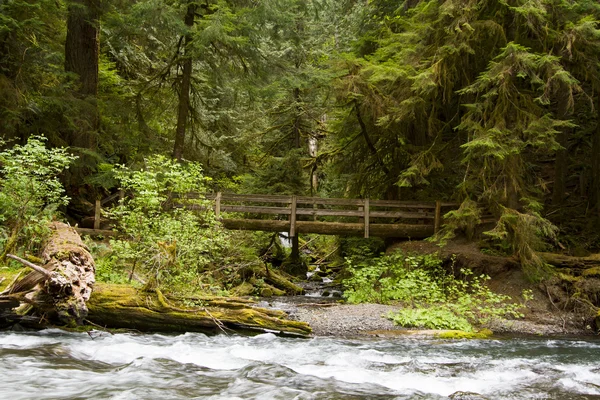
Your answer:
<point x="560" y="171"/>
<point x="562" y="159"/>
<point x="184" y="87"/>
<point x="82" y="44"/>
<point x="297" y="119"/>
<point x="81" y="57"/>
<point x="595" y="189"/>
<point x="370" y="145"/>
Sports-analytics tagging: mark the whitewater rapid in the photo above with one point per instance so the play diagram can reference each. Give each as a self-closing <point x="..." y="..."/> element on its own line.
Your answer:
<point x="53" y="364"/>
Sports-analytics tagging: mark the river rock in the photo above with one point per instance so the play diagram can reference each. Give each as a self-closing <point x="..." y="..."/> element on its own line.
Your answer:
<point x="466" y="396"/>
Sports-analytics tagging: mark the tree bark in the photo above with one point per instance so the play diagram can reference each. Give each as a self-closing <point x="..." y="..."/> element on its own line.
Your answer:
<point x="561" y="164"/>
<point x="595" y="187"/>
<point x="560" y="171"/>
<point x="370" y="145"/>
<point x="81" y="58"/>
<point x="185" y="85"/>
<point x="82" y="44"/>
<point x="82" y="49"/>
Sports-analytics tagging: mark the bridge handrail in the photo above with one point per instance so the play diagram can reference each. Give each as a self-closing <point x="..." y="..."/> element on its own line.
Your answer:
<point x="364" y="212"/>
<point x="285" y="199"/>
<point x="294" y="206"/>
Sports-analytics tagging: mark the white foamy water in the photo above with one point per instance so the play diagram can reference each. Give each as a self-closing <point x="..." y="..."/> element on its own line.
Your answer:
<point x="57" y="365"/>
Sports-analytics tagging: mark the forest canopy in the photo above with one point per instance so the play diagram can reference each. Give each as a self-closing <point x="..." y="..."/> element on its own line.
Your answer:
<point x="491" y="103"/>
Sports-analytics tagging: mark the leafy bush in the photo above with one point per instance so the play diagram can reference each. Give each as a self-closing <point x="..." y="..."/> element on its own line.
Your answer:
<point x="30" y="192"/>
<point x="393" y="277"/>
<point x="167" y="241"/>
<point x="432" y="318"/>
<point x="431" y="297"/>
<point x="108" y="269"/>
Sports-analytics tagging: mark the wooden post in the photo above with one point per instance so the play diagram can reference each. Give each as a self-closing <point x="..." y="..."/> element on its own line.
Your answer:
<point x="97" y="213"/>
<point x="121" y="195"/>
<point x="438" y="216"/>
<point x="366" y="218"/>
<point x="218" y="205"/>
<point x="293" y="218"/>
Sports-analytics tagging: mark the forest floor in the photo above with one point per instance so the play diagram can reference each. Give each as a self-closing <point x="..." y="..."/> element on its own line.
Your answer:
<point x="541" y="316"/>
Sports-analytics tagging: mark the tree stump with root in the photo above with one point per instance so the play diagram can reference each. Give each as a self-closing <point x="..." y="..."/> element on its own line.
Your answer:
<point x="58" y="290"/>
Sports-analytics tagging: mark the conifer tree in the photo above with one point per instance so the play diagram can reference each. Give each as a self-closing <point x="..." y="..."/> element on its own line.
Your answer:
<point x="468" y="95"/>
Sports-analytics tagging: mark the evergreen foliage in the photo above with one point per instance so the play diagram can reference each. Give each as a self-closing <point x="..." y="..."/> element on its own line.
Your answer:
<point x="492" y="103"/>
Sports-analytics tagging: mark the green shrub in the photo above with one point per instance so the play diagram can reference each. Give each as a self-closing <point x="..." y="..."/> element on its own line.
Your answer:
<point x="430" y="297"/>
<point x="30" y="193"/>
<point x="164" y="240"/>
<point x="438" y="317"/>
<point x="393" y="277"/>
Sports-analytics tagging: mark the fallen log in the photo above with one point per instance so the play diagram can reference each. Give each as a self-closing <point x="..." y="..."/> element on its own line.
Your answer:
<point x="58" y="290"/>
<point x="564" y="261"/>
<point x="122" y="306"/>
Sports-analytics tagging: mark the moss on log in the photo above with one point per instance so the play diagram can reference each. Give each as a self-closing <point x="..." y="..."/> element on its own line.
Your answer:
<point x="276" y="279"/>
<point x="564" y="261"/>
<point x="121" y="306"/>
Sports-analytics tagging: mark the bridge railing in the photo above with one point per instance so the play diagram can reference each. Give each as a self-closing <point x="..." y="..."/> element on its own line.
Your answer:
<point x="365" y="210"/>
<point x="315" y="215"/>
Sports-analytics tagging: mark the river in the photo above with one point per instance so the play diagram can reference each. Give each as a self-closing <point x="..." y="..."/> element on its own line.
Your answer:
<point x="53" y="364"/>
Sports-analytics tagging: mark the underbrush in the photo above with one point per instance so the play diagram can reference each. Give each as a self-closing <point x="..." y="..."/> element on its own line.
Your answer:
<point x="430" y="297"/>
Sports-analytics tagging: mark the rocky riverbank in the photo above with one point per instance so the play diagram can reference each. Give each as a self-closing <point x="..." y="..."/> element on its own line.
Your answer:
<point x="360" y="320"/>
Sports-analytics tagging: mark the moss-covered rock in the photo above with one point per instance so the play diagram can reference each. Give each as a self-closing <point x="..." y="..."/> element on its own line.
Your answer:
<point x="568" y="278"/>
<point x="453" y="334"/>
<point x="244" y="289"/>
<point x="591" y="272"/>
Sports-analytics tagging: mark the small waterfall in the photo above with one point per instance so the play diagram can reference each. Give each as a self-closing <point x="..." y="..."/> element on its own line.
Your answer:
<point x="285" y="240"/>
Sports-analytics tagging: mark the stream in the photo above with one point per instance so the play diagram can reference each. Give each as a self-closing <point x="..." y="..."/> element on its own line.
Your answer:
<point x="53" y="364"/>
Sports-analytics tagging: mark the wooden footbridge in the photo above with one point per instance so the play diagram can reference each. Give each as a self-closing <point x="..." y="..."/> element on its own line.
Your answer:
<point x="298" y="214"/>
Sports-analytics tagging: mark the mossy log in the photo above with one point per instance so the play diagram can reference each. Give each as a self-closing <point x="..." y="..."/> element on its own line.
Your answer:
<point x="258" y="279"/>
<point x="121" y="306"/>
<point x="276" y="278"/>
<point x="564" y="261"/>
